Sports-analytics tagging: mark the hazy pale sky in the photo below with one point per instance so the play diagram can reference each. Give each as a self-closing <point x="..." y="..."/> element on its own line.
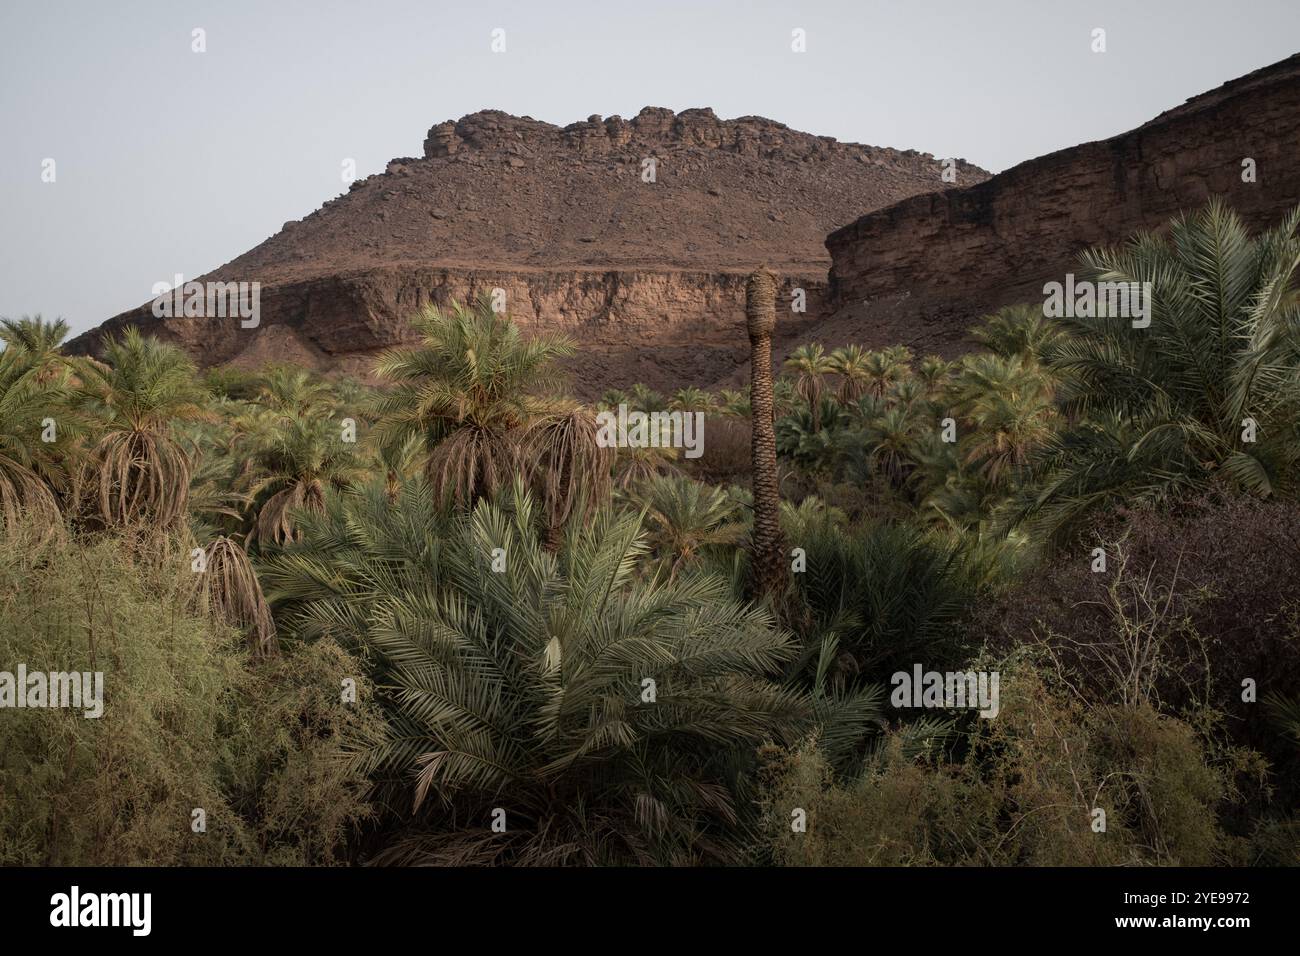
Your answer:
<point x="168" y="160"/>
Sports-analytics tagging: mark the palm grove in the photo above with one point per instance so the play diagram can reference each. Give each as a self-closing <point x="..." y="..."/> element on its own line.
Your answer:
<point x="434" y="621"/>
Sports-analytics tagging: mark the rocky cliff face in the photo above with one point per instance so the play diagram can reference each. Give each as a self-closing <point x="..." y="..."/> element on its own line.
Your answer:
<point x="646" y="275"/>
<point x="663" y="327"/>
<point x="920" y="271"/>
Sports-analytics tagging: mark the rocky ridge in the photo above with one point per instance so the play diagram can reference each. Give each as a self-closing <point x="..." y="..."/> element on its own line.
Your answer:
<point x="923" y="270"/>
<point x="647" y="276"/>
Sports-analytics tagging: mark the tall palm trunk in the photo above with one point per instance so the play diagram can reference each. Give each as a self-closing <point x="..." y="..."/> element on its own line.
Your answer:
<point x="767" y="560"/>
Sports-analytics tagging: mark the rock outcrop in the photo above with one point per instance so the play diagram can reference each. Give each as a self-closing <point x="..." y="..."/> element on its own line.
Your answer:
<point x="646" y="275"/>
<point x="922" y="270"/>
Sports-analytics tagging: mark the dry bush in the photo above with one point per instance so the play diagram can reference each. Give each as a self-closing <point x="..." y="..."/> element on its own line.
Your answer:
<point x="1211" y="588"/>
<point x="186" y="723"/>
<point x="727" y="457"/>
<point x="1023" y="792"/>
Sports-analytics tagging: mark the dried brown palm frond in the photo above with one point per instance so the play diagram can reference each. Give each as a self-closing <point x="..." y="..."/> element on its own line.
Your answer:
<point x="24" y="497"/>
<point x="474" y="462"/>
<point x="231" y="592"/>
<point x="570" y="468"/>
<point x="275" y="519"/>
<point x="637" y="465"/>
<point x="132" y="478"/>
<point x="475" y="847"/>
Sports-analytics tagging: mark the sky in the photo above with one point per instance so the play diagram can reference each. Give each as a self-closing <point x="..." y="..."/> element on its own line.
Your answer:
<point x="168" y="160"/>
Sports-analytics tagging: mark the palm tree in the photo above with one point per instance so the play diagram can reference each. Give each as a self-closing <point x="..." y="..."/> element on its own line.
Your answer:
<point x="891" y="442"/>
<point x="849" y="362"/>
<point x="1162" y="408"/>
<point x="768" y="567"/>
<point x="468" y="389"/>
<point x="645" y="399"/>
<point x="232" y="593"/>
<point x="294" y="469"/>
<point x="908" y="393"/>
<point x="1007" y="405"/>
<point x="286" y="389"/>
<point x="692" y="399"/>
<point x="40" y="342"/>
<point x="884" y="368"/>
<point x="933" y="371"/>
<point x="1020" y="330"/>
<point x="734" y="403"/>
<point x="684" y="518"/>
<point x="785" y="395"/>
<point x="810" y="364"/>
<point x="400" y="461"/>
<point x="31" y="470"/>
<point x="136" y="474"/>
<point x="634" y="465"/>
<point x="889" y="591"/>
<point x="597" y="713"/>
<point x="821" y="450"/>
<point x="568" y="466"/>
<point x="613" y="398"/>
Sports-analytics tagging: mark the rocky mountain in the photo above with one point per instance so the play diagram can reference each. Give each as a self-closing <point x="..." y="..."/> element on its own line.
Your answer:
<point x="923" y="270"/>
<point x="632" y="236"/>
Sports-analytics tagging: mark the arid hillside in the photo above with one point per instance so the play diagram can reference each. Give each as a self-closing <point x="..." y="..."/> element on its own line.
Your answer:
<point x="646" y="275"/>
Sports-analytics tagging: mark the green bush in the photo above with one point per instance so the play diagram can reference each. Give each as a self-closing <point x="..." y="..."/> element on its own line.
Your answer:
<point x="1023" y="791"/>
<point x="186" y="723"/>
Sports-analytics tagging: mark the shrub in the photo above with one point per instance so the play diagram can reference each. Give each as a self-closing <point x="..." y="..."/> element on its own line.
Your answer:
<point x="186" y="724"/>
<point x="1212" y="583"/>
<point x="1025" y="791"/>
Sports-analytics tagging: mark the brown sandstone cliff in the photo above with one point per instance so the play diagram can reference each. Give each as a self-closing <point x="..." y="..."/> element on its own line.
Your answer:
<point x="647" y="277"/>
<point x="922" y="270"/>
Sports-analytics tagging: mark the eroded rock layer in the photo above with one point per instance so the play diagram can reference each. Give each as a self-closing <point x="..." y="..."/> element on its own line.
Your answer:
<point x="922" y="270"/>
<point x="646" y="275"/>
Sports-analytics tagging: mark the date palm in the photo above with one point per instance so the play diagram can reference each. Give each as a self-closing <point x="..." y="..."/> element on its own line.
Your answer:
<point x="769" y="575"/>
<point x="692" y="399"/>
<point x="467" y="389"/>
<point x="286" y="390"/>
<point x="39" y="342"/>
<point x="733" y="403"/>
<point x="884" y="368"/>
<point x="1020" y="330"/>
<point x="31" y="470"/>
<point x="566" y="464"/>
<point x="643" y="398"/>
<point x="613" y="398"/>
<point x="810" y="365"/>
<point x="685" y="518"/>
<point x="849" y="362"/>
<point x="1007" y="409"/>
<point x="306" y="457"/>
<point x="1161" y="409"/>
<point x="137" y="474"/>
<point x="891" y="442"/>
<point x="933" y="371"/>
<point x="600" y="711"/>
<point x="231" y="592"/>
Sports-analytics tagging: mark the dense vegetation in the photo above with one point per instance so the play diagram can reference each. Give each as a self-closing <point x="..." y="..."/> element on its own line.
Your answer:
<point x="433" y="620"/>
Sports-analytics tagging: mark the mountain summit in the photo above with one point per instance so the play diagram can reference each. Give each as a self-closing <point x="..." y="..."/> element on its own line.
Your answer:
<point x="628" y="235"/>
